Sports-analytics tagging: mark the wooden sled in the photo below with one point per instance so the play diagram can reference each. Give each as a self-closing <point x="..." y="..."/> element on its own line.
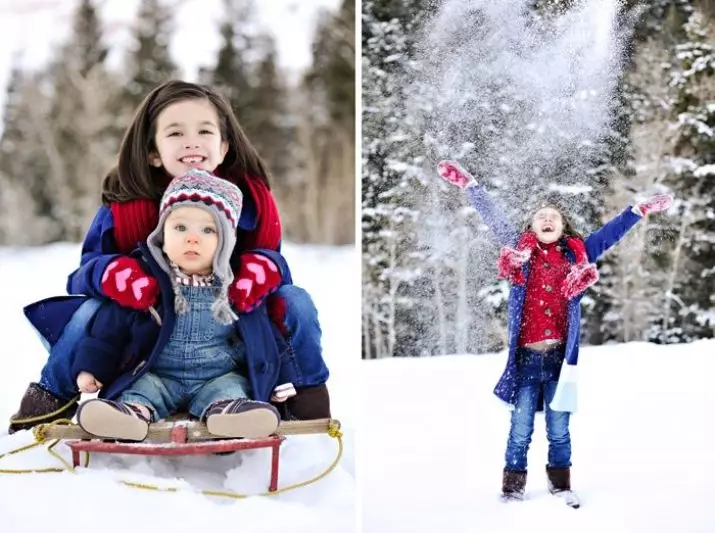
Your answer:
<point x="183" y="436"/>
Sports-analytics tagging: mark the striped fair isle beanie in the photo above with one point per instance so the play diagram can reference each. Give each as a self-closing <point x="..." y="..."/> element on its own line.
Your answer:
<point x="224" y="200"/>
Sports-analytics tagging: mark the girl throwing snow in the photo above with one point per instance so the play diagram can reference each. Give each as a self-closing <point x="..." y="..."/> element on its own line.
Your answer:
<point x="549" y="266"/>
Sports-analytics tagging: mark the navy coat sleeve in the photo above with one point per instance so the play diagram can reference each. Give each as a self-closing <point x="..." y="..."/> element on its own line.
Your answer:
<point x="98" y="250"/>
<point x="610" y="233"/>
<point x="101" y="350"/>
<point x="503" y="230"/>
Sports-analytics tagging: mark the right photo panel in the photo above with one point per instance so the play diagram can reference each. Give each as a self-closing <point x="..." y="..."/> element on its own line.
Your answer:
<point x="538" y="265"/>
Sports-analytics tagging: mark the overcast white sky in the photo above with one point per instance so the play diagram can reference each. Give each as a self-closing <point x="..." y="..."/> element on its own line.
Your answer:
<point x="33" y="27"/>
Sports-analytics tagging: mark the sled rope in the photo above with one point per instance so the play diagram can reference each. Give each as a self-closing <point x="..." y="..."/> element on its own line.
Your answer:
<point x="40" y="431"/>
<point x="47" y="416"/>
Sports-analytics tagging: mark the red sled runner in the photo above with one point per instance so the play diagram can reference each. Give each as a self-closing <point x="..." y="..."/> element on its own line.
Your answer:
<point x="182" y="436"/>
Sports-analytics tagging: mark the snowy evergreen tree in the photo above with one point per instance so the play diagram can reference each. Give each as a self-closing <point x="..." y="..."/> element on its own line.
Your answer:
<point x="390" y="167"/>
<point x="326" y="129"/>
<point x="691" y="286"/>
<point x="149" y="63"/>
<point x="80" y="149"/>
<point x="27" y="205"/>
<point x="234" y="72"/>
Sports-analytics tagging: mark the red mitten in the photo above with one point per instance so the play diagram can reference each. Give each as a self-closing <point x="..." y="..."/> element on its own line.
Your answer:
<point x="659" y="202"/>
<point x="277" y="312"/>
<point x="257" y="277"/>
<point x="510" y="262"/>
<point x="512" y="259"/>
<point x="579" y="278"/>
<point x="125" y="282"/>
<point x="453" y="173"/>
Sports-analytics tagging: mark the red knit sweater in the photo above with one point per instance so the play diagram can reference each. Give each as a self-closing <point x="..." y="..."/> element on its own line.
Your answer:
<point x="544" y="315"/>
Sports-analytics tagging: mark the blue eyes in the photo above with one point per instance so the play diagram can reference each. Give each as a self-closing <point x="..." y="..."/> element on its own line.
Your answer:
<point x="207" y="230"/>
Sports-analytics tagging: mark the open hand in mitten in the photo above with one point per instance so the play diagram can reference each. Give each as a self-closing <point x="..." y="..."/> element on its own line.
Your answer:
<point x="453" y="173"/>
<point x="125" y="282"/>
<point x="510" y="262"/>
<point x="655" y="204"/>
<point x="257" y="277"/>
<point x="579" y="278"/>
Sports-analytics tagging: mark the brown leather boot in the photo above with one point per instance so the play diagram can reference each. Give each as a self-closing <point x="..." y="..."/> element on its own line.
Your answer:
<point x="513" y="484"/>
<point x="559" y="479"/>
<point x="38" y="406"/>
<point x="310" y="403"/>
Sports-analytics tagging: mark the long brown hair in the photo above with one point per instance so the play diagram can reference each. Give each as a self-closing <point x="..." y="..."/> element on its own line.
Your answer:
<point x="554" y="203"/>
<point x="133" y="177"/>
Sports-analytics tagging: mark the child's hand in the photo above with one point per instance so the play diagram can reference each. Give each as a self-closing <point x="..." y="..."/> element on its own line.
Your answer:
<point x="657" y="203"/>
<point x="86" y="382"/>
<point x="579" y="278"/>
<point x="453" y="173"/>
<point x="257" y="277"/>
<point x="125" y="282"/>
<point x="510" y="262"/>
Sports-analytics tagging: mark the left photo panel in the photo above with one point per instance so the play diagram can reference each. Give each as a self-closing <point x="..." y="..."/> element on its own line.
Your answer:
<point x="181" y="313"/>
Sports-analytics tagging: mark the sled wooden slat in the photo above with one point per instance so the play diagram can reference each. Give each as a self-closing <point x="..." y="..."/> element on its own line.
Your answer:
<point x="160" y="432"/>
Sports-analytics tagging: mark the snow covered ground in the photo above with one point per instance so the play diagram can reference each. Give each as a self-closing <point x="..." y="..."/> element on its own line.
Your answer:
<point x="92" y="498"/>
<point x="429" y="447"/>
<point x="433" y="436"/>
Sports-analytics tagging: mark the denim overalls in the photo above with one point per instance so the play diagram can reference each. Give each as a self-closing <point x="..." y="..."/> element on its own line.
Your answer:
<point x="203" y="362"/>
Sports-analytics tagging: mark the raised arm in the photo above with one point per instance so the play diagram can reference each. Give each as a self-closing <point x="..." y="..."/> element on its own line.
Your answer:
<point x="615" y="229"/>
<point x="480" y="200"/>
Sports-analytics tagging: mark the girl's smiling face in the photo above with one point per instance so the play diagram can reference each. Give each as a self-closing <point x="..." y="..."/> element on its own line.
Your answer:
<point x="188" y="135"/>
<point x="548" y="224"/>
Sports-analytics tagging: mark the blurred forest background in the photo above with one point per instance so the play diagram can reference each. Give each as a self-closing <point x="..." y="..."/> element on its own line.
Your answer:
<point x="63" y="123"/>
<point x="429" y="264"/>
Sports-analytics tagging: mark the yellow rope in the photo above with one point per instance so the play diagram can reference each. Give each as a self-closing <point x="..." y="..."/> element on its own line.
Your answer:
<point x="39" y="433"/>
<point x="47" y="415"/>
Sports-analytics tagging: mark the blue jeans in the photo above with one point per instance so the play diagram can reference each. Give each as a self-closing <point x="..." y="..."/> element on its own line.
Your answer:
<point x="538" y="375"/>
<point x="198" y="366"/>
<point x="305" y="366"/>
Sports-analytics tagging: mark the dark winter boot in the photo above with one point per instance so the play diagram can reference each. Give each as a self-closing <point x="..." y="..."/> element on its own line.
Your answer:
<point x="559" y="479"/>
<point x="112" y="420"/>
<point x="311" y="403"/>
<point x="513" y="485"/>
<point x="242" y="418"/>
<point x="560" y="485"/>
<point x="38" y="406"/>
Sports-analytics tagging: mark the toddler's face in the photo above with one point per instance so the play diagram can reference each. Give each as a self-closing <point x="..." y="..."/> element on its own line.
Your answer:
<point x="191" y="239"/>
<point x="188" y="136"/>
<point x="548" y="225"/>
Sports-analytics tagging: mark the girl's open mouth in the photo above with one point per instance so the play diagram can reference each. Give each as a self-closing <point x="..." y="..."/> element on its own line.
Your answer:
<point x="192" y="159"/>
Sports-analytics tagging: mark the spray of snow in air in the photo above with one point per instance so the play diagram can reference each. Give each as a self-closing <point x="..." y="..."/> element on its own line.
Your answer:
<point x="523" y="100"/>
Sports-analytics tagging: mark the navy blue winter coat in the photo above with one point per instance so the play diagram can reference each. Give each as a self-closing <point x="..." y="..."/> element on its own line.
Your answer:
<point x="596" y="244"/>
<point x="120" y="344"/>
